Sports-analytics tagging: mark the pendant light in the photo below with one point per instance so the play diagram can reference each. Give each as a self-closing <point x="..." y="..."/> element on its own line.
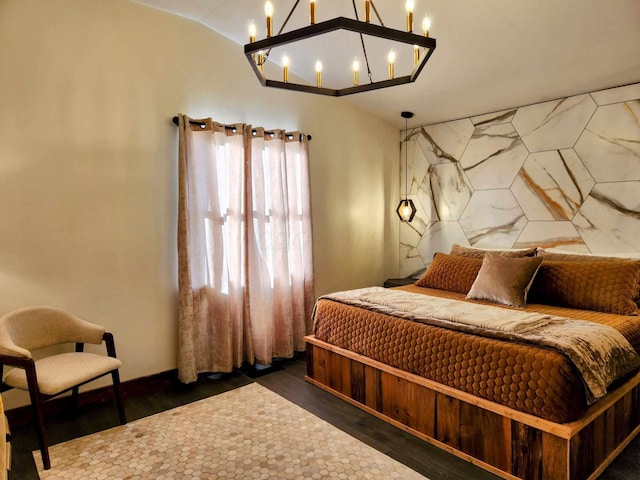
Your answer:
<point x="406" y="209"/>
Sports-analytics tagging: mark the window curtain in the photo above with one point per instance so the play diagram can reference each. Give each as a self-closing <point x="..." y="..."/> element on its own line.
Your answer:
<point x="245" y="265"/>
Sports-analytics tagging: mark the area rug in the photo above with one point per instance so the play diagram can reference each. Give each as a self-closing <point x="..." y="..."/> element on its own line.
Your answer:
<point x="247" y="433"/>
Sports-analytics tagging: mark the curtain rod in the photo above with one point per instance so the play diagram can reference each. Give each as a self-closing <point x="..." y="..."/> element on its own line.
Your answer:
<point x="193" y="122"/>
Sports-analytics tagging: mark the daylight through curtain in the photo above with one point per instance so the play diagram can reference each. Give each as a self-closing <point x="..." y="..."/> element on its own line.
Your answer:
<point x="245" y="287"/>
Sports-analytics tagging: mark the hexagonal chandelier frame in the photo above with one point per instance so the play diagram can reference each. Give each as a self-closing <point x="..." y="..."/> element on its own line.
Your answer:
<point x="339" y="23"/>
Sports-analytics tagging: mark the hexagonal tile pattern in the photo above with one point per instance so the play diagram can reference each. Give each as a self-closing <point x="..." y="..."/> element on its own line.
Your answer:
<point x="552" y="185"/>
<point x="446" y="190"/>
<point x="243" y="434"/>
<point x="417" y="165"/>
<point x="550" y="234"/>
<point x="609" y="219"/>
<point x="496" y="118"/>
<point x="493" y="157"/>
<point x="445" y="142"/>
<point x="610" y="145"/>
<point x="438" y="238"/>
<point x="493" y="219"/>
<point x="559" y="173"/>
<point x="554" y="125"/>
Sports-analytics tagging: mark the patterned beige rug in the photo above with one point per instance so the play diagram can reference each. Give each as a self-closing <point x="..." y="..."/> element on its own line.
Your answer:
<point x="247" y="433"/>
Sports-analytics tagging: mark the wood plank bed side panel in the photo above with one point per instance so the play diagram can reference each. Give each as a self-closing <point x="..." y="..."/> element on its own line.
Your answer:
<point x="559" y="429"/>
<point x="310" y="360"/>
<point x="607" y="430"/>
<point x="599" y="450"/>
<point x="527" y="451"/>
<point x="555" y="457"/>
<point x="394" y="397"/>
<point x="320" y="365"/>
<point x="581" y="453"/>
<point x="426" y="438"/>
<point x="423" y="418"/>
<point x="357" y="382"/>
<point x="448" y="420"/>
<point x="372" y="393"/>
<point x="485" y="435"/>
<point x="334" y="378"/>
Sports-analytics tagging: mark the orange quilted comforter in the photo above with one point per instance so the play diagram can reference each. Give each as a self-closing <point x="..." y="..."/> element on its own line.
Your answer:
<point x="528" y="378"/>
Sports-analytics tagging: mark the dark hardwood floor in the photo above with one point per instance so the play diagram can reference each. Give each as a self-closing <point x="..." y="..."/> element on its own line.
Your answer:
<point x="287" y="381"/>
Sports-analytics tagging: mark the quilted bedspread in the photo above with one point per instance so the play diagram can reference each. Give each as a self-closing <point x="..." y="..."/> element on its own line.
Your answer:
<point x="531" y="378"/>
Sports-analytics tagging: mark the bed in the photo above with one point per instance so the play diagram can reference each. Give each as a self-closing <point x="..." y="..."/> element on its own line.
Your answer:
<point x="515" y="408"/>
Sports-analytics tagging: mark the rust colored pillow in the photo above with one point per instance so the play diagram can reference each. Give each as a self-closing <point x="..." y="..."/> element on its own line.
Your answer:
<point x="472" y="252"/>
<point x="451" y="273"/>
<point x="505" y="280"/>
<point x="607" y="286"/>
<point x="570" y="257"/>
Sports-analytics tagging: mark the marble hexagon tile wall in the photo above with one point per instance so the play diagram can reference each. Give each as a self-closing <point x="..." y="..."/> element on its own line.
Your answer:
<point x="559" y="173"/>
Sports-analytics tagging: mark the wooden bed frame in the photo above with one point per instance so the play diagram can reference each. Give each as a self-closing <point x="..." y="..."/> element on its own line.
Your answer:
<point x="504" y="441"/>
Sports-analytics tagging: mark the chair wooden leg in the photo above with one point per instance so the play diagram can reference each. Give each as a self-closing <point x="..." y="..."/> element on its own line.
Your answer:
<point x="36" y="404"/>
<point x="118" y="394"/>
<point x="74" y="398"/>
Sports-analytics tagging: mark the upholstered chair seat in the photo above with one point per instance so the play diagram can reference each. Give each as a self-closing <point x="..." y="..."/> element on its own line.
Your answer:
<point x="29" y="329"/>
<point x="64" y="371"/>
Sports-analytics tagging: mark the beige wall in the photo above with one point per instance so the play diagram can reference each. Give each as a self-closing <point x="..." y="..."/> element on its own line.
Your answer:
<point x="88" y="165"/>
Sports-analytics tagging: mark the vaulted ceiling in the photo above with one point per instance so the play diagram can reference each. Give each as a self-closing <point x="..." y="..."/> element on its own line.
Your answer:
<point x="490" y="55"/>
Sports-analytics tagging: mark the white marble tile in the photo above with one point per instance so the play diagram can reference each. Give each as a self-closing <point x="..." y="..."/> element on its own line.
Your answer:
<point x="438" y="238"/>
<point x="417" y="166"/>
<point x="493" y="157"/>
<point x="411" y="263"/>
<point x="609" y="220"/>
<point x="493" y="218"/>
<point x="553" y="125"/>
<point x="410" y="236"/>
<point x="445" y="142"/>
<point x="552" y="185"/>
<point x="504" y="116"/>
<point x="550" y="234"/>
<point x="617" y="95"/>
<point x="610" y="145"/>
<point x="448" y="190"/>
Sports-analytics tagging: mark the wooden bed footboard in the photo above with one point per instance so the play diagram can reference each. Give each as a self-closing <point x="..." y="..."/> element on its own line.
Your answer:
<point x="504" y="441"/>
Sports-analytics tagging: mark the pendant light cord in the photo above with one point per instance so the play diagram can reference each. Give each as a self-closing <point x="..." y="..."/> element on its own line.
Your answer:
<point x="406" y="158"/>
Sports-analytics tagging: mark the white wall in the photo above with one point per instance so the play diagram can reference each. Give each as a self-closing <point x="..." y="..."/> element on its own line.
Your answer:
<point x="88" y="165"/>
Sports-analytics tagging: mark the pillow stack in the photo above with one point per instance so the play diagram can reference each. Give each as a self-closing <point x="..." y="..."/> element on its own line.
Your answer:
<point x="601" y="283"/>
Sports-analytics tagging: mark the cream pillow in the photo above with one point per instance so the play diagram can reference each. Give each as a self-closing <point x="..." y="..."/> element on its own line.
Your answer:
<point x="505" y="280"/>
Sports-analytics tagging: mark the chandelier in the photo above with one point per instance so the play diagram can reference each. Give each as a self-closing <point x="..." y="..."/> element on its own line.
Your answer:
<point x="418" y="47"/>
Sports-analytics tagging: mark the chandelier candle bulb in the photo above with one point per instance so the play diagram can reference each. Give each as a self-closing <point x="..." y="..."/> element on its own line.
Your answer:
<point x="261" y="60"/>
<point x="426" y="25"/>
<point x="312" y="11"/>
<point x="252" y="32"/>
<point x="356" y="72"/>
<point x="268" y="11"/>
<point x="391" y="58"/>
<point x="285" y="68"/>
<point x="409" y="6"/>
<point x="319" y="74"/>
<point x="367" y="11"/>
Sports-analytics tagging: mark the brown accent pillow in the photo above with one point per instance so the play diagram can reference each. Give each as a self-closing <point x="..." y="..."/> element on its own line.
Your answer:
<point x="461" y="251"/>
<point x="606" y="286"/>
<point x="505" y="280"/>
<point x="570" y="257"/>
<point x="451" y="273"/>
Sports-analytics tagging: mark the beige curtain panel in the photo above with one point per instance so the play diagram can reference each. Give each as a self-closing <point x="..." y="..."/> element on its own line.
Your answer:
<point x="245" y="262"/>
